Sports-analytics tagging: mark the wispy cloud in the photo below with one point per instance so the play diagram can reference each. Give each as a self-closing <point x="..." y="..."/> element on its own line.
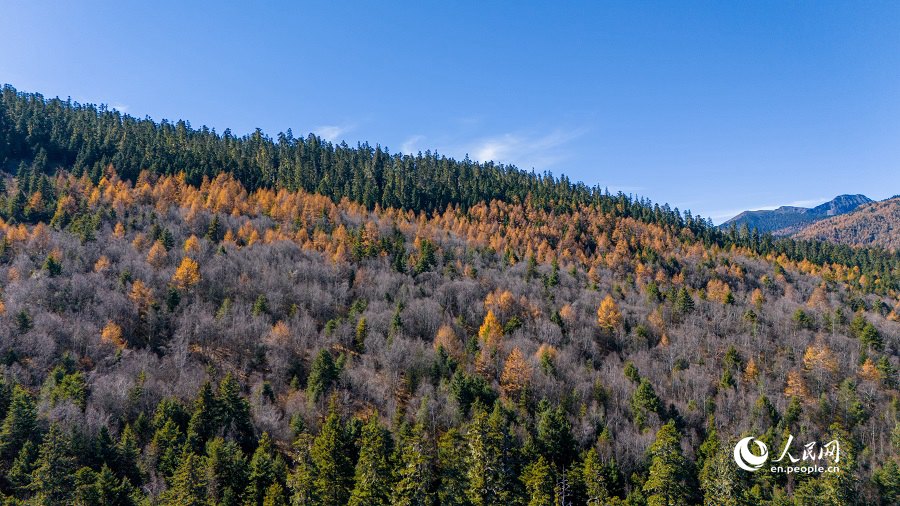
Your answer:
<point x="331" y="133"/>
<point x="725" y="214"/>
<point x="120" y="107"/>
<point x="410" y="145"/>
<point x="527" y="151"/>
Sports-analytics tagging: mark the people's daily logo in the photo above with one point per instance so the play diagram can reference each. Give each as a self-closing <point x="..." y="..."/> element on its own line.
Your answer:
<point x="814" y="458"/>
<point x="745" y="458"/>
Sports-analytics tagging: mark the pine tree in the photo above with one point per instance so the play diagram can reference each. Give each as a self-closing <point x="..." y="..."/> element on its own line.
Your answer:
<point x="263" y="471"/>
<point x="127" y="453"/>
<point x="188" y="483"/>
<point x="684" y="303"/>
<point x="226" y="472"/>
<point x="415" y="470"/>
<point x="595" y="480"/>
<point x="333" y="469"/>
<point x="321" y="375"/>
<point x="451" y="469"/>
<point x="204" y="420"/>
<point x="372" y="479"/>
<point x="644" y="401"/>
<point x="301" y="482"/>
<point x="19" y="474"/>
<point x="51" y="480"/>
<point x="19" y="424"/>
<point x="554" y="436"/>
<point x="359" y="339"/>
<point x="234" y="411"/>
<point x="489" y="458"/>
<point x="539" y="482"/>
<point x="166" y="445"/>
<point x="214" y="230"/>
<point x="666" y="484"/>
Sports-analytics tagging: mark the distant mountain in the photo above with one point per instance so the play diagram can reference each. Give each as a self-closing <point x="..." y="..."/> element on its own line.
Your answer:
<point x="788" y="219"/>
<point x="872" y="224"/>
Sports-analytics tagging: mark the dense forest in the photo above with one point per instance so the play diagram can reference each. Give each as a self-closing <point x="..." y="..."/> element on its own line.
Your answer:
<point x="195" y="318"/>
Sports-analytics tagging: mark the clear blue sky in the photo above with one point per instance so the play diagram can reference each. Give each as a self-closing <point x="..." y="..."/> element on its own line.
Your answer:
<point x="710" y="106"/>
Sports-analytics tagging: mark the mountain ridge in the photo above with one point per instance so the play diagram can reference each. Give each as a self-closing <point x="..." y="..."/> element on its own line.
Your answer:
<point x="785" y="220"/>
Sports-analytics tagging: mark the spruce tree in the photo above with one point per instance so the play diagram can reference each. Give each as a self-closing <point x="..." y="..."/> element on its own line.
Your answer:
<point x="226" y="472"/>
<point x="372" y="479"/>
<point x="451" y="469"/>
<point x="330" y="454"/>
<point x="539" y="482"/>
<point x="415" y="470"/>
<point x="51" y="480"/>
<point x="19" y="425"/>
<point x="666" y="484"/>
<point x="188" y="484"/>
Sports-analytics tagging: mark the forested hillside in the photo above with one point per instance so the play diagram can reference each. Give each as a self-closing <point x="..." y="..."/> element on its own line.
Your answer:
<point x="189" y="318"/>
<point x="877" y="223"/>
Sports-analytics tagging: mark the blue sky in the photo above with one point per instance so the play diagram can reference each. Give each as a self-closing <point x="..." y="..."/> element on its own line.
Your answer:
<point x="714" y="107"/>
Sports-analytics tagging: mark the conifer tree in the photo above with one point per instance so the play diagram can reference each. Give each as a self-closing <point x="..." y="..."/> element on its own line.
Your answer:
<point x="51" y="480"/>
<point x="226" y="472"/>
<point x="19" y="424"/>
<point x="321" y="375"/>
<point x="539" y="482"/>
<point x="204" y="420"/>
<point x="415" y="470"/>
<point x="666" y="484"/>
<point x="330" y="454"/>
<point x="372" y="478"/>
<point x="594" y="476"/>
<point x="263" y="471"/>
<point x="188" y="487"/>
<point x="489" y="458"/>
<point x="451" y="469"/>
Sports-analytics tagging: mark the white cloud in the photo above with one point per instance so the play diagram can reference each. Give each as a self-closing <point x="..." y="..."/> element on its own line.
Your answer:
<point x="526" y="151"/>
<point x="331" y="133"/>
<point x="409" y="145"/>
<point x="120" y="107"/>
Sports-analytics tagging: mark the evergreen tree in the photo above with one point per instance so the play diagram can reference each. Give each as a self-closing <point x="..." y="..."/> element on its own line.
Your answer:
<point x="666" y="484"/>
<point x="301" y="482"/>
<point x="127" y="453"/>
<point x="19" y="425"/>
<point x="330" y="454"/>
<point x="489" y="458"/>
<point x="264" y="471"/>
<point x="204" y="420"/>
<point x="415" y="470"/>
<point x="321" y="375"/>
<point x="595" y="479"/>
<point x="451" y="469"/>
<point x="554" y="436"/>
<point x="372" y="479"/>
<point x="539" y="482"/>
<point x="51" y="480"/>
<point x="234" y="412"/>
<point x="684" y="303"/>
<point x="188" y="486"/>
<point x="226" y="472"/>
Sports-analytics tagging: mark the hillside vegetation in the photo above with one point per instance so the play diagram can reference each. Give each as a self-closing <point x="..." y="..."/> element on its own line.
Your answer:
<point x="190" y="318"/>
<point x="877" y="223"/>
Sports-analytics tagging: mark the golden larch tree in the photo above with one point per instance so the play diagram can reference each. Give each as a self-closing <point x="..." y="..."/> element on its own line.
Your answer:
<point x="112" y="334"/>
<point x="187" y="274"/>
<point x="609" y="317"/>
<point x="157" y="255"/>
<point x="516" y="375"/>
<point x="491" y="332"/>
